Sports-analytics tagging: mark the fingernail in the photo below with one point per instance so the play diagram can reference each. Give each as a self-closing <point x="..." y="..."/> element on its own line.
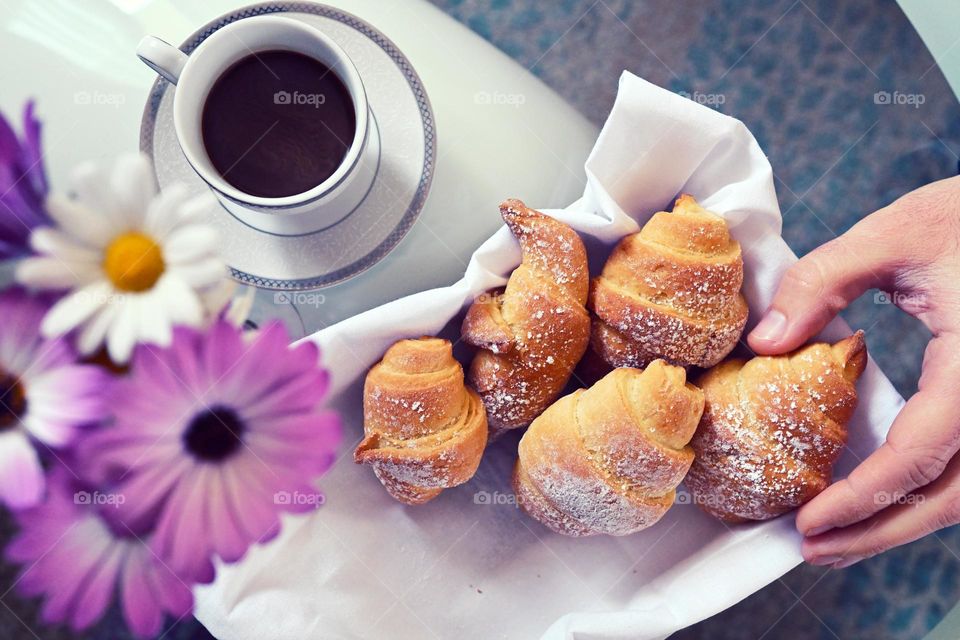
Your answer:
<point x="771" y="328"/>
<point x="843" y="564"/>
<point x="818" y="530"/>
<point x="824" y="560"/>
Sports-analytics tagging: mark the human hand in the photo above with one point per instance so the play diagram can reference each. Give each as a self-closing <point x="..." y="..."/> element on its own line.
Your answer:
<point x="910" y="486"/>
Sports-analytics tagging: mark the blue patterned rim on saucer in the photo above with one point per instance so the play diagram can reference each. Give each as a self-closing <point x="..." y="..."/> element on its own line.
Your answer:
<point x="358" y="264"/>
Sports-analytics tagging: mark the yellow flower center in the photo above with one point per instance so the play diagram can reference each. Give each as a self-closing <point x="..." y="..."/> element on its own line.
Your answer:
<point x="133" y="262"/>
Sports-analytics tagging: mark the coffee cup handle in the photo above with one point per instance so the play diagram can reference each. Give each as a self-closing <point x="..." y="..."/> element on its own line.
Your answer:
<point x="162" y="57"/>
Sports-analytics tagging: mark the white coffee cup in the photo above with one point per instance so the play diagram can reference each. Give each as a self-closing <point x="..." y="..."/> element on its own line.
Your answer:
<point x="194" y="74"/>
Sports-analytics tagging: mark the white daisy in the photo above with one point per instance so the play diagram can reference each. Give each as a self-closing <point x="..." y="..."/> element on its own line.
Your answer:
<point x="136" y="262"/>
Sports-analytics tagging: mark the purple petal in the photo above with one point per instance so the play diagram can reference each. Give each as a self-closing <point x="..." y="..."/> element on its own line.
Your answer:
<point x="47" y="353"/>
<point x="263" y="363"/>
<point x="23" y="185"/>
<point x="68" y="567"/>
<point x="171" y="592"/>
<point x="256" y="513"/>
<point x="32" y="152"/>
<point x="109" y="453"/>
<point x="20" y="211"/>
<point x="146" y="490"/>
<point x="37" y="536"/>
<point x="299" y="394"/>
<point x="21" y="476"/>
<point x="97" y="590"/>
<point x="180" y="538"/>
<point x="154" y="367"/>
<point x="21" y="347"/>
<point x="224" y="347"/>
<point x="182" y="358"/>
<point x="228" y="541"/>
<point x="304" y="357"/>
<point x="312" y="433"/>
<point x="9" y="145"/>
<point x="63" y="398"/>
<point x="140" y="608"/>
<point x="304" y="457"/>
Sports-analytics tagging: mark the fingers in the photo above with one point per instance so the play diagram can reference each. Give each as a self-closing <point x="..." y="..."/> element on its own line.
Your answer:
<point x="923" y="438"/>
<point x="913" y="517"/>
<point x="822" y="283"/>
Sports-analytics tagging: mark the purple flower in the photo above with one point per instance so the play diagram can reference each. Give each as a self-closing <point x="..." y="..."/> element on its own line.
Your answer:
<point x="44" y="396"/>
<point x="23" y="185"/>
<point x="78" y="559"/>
<point x="214" y="436"/>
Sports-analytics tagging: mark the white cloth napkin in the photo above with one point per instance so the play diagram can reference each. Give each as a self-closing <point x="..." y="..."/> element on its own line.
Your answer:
<point x="469" y="564"/>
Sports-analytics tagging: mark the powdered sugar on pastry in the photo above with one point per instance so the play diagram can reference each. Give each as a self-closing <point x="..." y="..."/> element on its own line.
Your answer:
<point x="671" y="291"/>
<point x="772" y="429"/>
<point x="608" y="459"/>
<point x="533" y="333"/>
<point x="424" y="430"/>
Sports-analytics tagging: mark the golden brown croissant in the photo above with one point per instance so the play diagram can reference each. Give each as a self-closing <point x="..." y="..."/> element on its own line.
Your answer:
<point x="772" y="428"/>
<point x="532" y="335"/>
<point x="609" y="458"/>
<point x="671" y="291"/>
<point x="425" y="431"/>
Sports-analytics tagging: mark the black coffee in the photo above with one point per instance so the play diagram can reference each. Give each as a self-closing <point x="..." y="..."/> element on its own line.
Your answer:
<point x="277" y="123"/>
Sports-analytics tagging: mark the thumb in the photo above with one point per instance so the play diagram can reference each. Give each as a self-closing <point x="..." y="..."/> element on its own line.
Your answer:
<point x="818" y="286"/>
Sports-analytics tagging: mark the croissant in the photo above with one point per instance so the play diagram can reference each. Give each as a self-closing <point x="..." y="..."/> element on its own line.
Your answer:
<point x="772" y="428"/>
<point x="609" y="458"/>
<point x="671" y="291"/>
<point x="424" y="430"/>
<point x="531" y="336"/>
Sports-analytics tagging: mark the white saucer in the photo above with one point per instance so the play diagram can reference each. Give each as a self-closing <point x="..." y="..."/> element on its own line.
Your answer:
<point x="402" y="110"/>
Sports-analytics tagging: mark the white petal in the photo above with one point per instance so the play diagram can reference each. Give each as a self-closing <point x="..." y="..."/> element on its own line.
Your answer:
<point x="154" y="322"/>
<point x="122" y="334"/>
<point x="161" y="217"/>
<point x="197" y="208"/>
<point x="94" y="332"/>
<point x="133" y="187"/>
<point x="189" y="243"/>
<point x="53" y="273"/>
<point x="201" y="274"/>
<point x="59" y="245"/>
<point x="91" y="184"/>
<point x="73" y="310"/>
<point x="21" y="477"/>
<point x="181" y="303"/>
<point x="47" y="429"/>
<point x="92" y="228"/>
